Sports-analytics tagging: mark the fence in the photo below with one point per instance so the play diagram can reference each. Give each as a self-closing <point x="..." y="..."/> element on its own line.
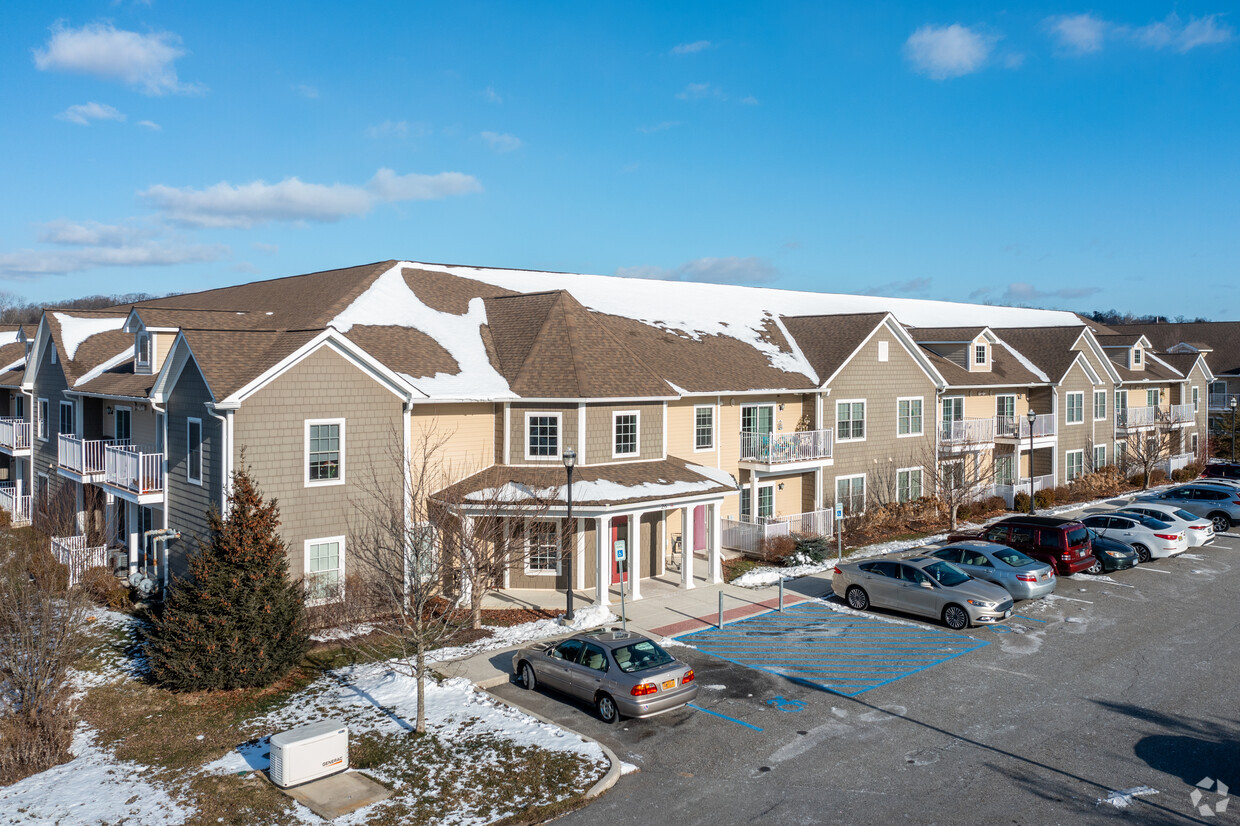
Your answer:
<point x="968" y="431"/>
<point x="18" y="506"/>
<point x="71" y="551"/>
<point x="748" y="537"/>
<point x="1008" y="492"/>
<point x="774" y="448"/>
<point x="1017" y="427"/>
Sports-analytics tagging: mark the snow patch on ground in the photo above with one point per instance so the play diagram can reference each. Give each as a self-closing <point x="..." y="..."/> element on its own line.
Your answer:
<point x="93" y="787"/>
<point x="338" y="634"/>
<point x="74" y="330"/>
<point x="627" y="768"/>
<point x="1092" y="578"/>
<point x="1123" y="799"/>
<point x="591" y="616"/>
<point x="672" y="642"/>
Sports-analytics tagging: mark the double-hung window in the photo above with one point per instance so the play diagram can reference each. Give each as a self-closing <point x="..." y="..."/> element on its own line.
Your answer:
<point x="625" y="427"/>
<point x="42" y="417"/>
<point x="908" y="484"/>
<point x="1100" y="405"/>
<point x="1075" y="464"/>
<point x="704" y="428"/>
<point x="979" y="354"/>
<point x="849" y="421"/>
<point x="324" y="574"/>
<point x="850" y="490"/>
<point x="193" y="450"/>
<point x="542" y="435"/>
<point x="1075" y="412"/>
<point x="1151" y="397"/>
<point x="1196" y="398"/>
<point x="908" y="417"/>
<point x="324" y="451"/>
<point x="67" y="424"/>
<point x="1100" y="456"/>
<point x="144" y="350"/>
<point x="542" y="548"/>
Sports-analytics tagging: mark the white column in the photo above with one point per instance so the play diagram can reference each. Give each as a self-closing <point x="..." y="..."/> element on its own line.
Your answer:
<point x="579" y="562"/>
<point x="79" y="503"/>
<point x="753" y="496"/>
<point x="661" y="543"/>
<point x="602" y="580"/>
<point x="686" y="553"/>
<point x="716" y="544"/>
<point x="132" y="526"/>
<point x="635" y="554"/>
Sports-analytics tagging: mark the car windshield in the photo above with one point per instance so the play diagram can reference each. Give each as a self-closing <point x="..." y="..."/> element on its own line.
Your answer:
<point x="947" y="574"/>
<point x="1013" y="557"/>
<point x="1077" y="536"/>
<point x="1185" y="515"/>
<point x="640" y="656"/>
<point x="1152" y="523"/>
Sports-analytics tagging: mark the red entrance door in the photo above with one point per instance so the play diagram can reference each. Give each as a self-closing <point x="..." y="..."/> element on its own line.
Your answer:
<point x="620" y="533"/>
<point x="699" y="528"/>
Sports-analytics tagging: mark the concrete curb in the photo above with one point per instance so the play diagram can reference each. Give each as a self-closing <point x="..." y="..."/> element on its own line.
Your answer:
<point x="604" y="783"/>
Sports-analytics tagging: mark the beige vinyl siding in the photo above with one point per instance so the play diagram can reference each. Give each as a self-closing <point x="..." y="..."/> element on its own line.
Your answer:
<point x="517" y="432"/>
<point x="681" y="434"/>
<point x="880" y="384"/>
<point x="466" y="433"/>
<point x="1083" y="435"/>
<point x="599" y="435"/>
<point x="270" y="428"/>
<point x="990" y="354"/>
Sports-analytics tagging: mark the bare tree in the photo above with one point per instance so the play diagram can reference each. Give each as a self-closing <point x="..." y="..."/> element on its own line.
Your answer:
<point x="1146" y="449"/>
<point x="961" y="476"/>
<point x="41" y="636"/>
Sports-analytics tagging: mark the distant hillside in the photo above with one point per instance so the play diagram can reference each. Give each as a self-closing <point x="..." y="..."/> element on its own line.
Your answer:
<point x="1116" y="317"/>
<point x="13" y="311"/>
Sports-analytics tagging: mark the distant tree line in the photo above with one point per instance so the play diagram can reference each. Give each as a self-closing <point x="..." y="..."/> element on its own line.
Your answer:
<point x="1116" y="317"/>
<point x="15" y="311"/>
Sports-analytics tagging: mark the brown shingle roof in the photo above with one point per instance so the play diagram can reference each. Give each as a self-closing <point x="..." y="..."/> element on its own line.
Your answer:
<point x="230" y="359"/>
<point x="828" y="341"/>
<point x="1005" y="370"/>
<point x="945" y="334"/>
<point x="92" y="351"/>
<point x="1222" y="336"/>
<point x="1049" y="348"/>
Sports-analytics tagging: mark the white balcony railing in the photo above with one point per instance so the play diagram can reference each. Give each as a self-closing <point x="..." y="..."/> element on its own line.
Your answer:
<point x="1173" y="463"/>
<point x="968" y="431"/>
<point x="15" y="434"/>
<point x="134" y="468"/>
<point x="84" y="457"/>
<point x="71" y="551"/>
<point x="1017" y="427"/>
<point x="776" y="448"/>
<point x="1008" y="492"/>
<point x="1181" y="413"/>
<point x="1130" y="417"/>
<point x="17" y="504"/>
<point x="748" y="537"/>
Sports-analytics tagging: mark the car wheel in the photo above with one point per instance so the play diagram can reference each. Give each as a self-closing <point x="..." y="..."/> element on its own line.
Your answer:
<point x="607" y="710"/>
<point x="858" y="599"/>
<point x="1143" y="553"/>
<point x="1222" y="522"/>
<point x="528" y="681"/>
<point x="1096" y="568"/>
<point x="955" y="617"/>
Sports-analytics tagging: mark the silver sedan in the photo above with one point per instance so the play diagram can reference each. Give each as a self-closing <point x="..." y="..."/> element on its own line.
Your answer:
<point x="1021" y="576"/>
<point x="921" y="585"/>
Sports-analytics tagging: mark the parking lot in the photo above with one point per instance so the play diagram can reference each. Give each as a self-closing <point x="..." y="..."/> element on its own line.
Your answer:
<point x="1115" y="690"/>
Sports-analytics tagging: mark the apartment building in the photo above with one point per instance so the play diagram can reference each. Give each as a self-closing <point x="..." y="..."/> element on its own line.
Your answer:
<point x="703" y="417"/>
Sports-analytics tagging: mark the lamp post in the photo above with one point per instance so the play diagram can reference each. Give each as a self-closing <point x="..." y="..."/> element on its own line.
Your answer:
<point x="1032" y="418"/>
<point x="570" y="460"/>
<point x="1232" y="405"/>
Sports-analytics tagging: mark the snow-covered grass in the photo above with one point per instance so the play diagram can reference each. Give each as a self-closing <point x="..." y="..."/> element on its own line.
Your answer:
<point x="591" y="616"/>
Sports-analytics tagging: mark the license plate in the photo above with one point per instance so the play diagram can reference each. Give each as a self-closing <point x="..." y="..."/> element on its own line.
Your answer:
<point x="669" y="684"/>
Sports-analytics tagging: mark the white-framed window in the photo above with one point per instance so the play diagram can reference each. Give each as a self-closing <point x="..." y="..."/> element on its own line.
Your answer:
<point x="144" y="349"/>
<point x="542" y="435"/>
<point x="1100" y="405"/>
<point x="1100" y="457"/>
<point x="1196" y="398"/>
<point x="1151" y="397"/>
<point x="758" y="418"/>
<point x="1005" y="470"/>
<point x="1074" y="412"/>
<point x="424" y="553"/>
<point x="766" y="503"/>
<point x="324" y="458"/>
<point x="1136" y="355"/>
<point x="1005" y="407"/>
<point x="979" y="354"/>
<point x="850" y="420"/>
<point x="882" y="351"/>
<point x="67" y="424"/>
<point x="850" y="490"/>
<point x="542" y="547"/>
<point x="953" y="474"/>
<point x="324" y="574"/>
<point x="19" y="406"/>
<point x="1121" y="454"/>
<point x="122" y="425"/>
<point x="909" y="417"/>
<point x="52" y="352"/>
<point x="908" y="484"/>
<point x="1121" y="402"/>
<point x="1193" y="443"/>
<point x="43" y="414"/>
<point x="193" y="451"/>
<point x="704" y="427"/>
<point x="1074" y="464"/>
<point x="161" y="423"/>
<point x="625" y="426"/>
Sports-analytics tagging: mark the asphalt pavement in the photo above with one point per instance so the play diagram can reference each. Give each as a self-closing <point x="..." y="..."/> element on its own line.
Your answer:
<point x="1105" y="703"/>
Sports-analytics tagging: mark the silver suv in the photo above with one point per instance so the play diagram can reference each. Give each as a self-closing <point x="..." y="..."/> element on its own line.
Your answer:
<point x="1219" y="504"/>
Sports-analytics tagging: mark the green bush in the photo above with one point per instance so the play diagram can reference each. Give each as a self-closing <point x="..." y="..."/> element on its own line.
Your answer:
<point x="815" y="549"/>
<point x="1020" y="502"/>
<point x="1044" y="498"/>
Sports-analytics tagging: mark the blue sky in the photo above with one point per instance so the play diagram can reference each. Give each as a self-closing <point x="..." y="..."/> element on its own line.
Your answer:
<point x="1065" y="156"/>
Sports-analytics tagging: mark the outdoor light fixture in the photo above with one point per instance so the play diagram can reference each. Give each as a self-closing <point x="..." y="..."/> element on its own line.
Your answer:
<point x="1032" y="418"/>
<point x="570" y="461"/>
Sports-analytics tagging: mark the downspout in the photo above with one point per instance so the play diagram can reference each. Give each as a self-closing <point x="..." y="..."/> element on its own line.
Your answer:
<point x="226" y="454"/>
<point x="164" y="440"/>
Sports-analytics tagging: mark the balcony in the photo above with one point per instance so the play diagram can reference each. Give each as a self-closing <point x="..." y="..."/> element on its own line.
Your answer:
<point x="1220" y="401"/>
<point x="17" y="505"/>
<point x="134" y="472"/>
<point x="1008" y="492"/>
<point x="771" y="449"/>
<point x="15" y="437"/>
<point x="966" y="432"/>
<point x="83" y="460"/>
<point x="749" y="537"/>
<point x="1182" y="414"/>
<point x="1017" y="428"/>
<point x="1137" y="418"/>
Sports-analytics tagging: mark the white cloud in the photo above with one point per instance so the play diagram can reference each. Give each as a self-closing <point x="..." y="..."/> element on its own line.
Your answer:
<point x="1078" y="33"/>
<point x="1175" y="34"/>
<point x="90" y="234"/>
<point x="914" y="286"/>
<point x="270" y="249"/>
<point x="258" y="202"/>
<point x="749" y="100"/>
<point x="388" y="129"/>
<point x="491" y="96"/>
<point x="943" y="52"/>
<point x="143" y="61"/>
<point x="84" y="113"/>
<point x="691" y="48"/>
<point x="699" y="91"/>
<point x="1020" y="291"/>
<point x="29" y="263"/>
<point x="501" y="142"/>
<point x="731" y="270"/>
<point x="306" y="90"/>
<point x="150" y="124"/>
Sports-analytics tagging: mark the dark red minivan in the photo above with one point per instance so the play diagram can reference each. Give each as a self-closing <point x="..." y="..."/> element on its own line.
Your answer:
<point x="1063" y="543"/>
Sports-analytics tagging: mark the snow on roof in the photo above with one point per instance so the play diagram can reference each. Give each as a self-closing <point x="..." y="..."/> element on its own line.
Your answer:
<point x="75" y="330"/>
<point x="389" y="302"/>
<point x="603" y="490"/>
<point x="699" y="309"/>
<point x="8" y="337"/>
<point x="99" y="369"/>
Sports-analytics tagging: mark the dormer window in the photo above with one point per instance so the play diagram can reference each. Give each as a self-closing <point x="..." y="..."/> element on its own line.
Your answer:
<point x="1136" y="356"/>
<point x="979" y="354"/>
<point x="144" y="348"/>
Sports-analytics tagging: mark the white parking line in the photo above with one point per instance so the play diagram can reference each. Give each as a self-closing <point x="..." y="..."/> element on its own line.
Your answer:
<point x="1228" y="533"/>
<point x="1154" y="570"/>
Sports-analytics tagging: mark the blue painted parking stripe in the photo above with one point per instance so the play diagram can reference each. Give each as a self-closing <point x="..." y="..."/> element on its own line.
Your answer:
<point x="724" y="716"/>
<point x="1035" y="619"/>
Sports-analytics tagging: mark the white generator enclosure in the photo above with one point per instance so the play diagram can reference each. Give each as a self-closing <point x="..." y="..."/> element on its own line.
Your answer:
<point x="309" y="752"/>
